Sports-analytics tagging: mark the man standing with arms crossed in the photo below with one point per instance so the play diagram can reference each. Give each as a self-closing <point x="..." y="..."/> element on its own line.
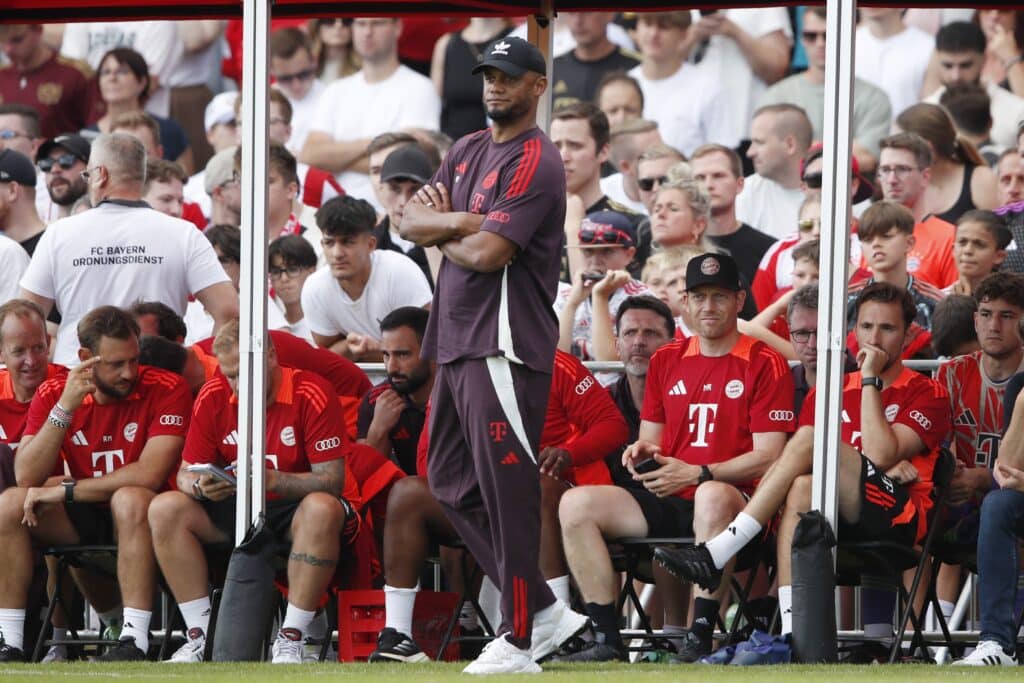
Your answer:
<point x="496" y="210"/>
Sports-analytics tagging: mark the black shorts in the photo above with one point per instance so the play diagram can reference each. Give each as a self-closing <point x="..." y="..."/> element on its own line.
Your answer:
<point x="886" y="511"/>
<point x="279" y="514"/>
<point x="93" y="522"/>
<point x="666" y="517"/>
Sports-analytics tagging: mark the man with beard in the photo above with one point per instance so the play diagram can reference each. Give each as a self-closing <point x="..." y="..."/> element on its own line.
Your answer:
<point x="717" y="409"/>
<point x="118" y="428"/>
<point x="392" y="414"/>
<point x="63" y="159"/>
<point x="496" y="209"/>
<point x="894" y="421"/>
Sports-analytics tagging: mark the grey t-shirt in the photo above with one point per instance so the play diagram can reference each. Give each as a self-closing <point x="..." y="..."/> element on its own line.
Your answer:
<point x="519" y="185"/>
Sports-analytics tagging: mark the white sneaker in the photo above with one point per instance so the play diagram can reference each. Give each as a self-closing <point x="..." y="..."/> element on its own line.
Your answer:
<point x="191" y="652"/>
<point x="555" y="629"/>
<point x="502" y="657"/>
<point x="988" y="653"/>
<point x="286" y="649"/>
<point x="56" y="653"/>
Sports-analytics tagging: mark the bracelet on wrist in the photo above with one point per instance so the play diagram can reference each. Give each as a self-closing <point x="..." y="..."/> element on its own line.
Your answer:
<point x="197" y="492"/>
<point x="61" y="413"/>
<point x="1012" y="62"/>
<point x="58" y="420"/>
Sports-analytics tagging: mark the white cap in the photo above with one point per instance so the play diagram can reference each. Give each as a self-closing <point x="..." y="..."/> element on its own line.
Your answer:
<point x="221" y="109"/>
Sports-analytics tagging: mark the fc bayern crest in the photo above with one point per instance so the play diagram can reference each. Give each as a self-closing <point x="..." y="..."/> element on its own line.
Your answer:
<point x="710" y="266"/>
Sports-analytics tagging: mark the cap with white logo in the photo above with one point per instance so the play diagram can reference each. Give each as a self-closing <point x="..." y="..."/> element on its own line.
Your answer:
<point x="514" y="56"/>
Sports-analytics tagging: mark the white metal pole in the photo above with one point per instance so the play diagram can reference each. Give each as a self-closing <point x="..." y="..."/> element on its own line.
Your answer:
<point x="540" y="32"/>
<point x="835" y="248"/>
<point x="252" y="343"/>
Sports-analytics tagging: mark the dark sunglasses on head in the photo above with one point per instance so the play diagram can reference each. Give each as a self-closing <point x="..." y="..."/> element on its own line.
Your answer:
<point x="647" y="184"/>
<point x="304" y="75"/>
<point x="66" y="161"/>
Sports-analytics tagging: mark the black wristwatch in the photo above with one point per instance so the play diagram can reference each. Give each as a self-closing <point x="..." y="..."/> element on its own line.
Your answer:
<point x="705" y="474"/>
<point x="69" y="489"/>
<point x="875" y="382"/>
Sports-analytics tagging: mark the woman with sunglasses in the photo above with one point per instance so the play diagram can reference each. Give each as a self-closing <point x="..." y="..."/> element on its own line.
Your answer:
<point x="124" y="83"/>
<point x="332" y="48"/>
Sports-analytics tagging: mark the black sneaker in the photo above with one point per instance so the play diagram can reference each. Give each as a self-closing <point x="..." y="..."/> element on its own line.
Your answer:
<point x="125" y="651"/>
<point x="393" y="646"/>
<point x="691" y="564"/>
<point x="593" y="651"/>
<point x="690" y="649"/>
<point x="10" y="654"/>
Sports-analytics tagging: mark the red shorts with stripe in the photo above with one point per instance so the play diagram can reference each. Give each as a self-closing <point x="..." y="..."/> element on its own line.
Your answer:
<point x="887" y="512"/>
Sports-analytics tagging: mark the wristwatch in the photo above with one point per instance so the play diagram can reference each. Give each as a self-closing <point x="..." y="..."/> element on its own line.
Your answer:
<point x="705" y="474"/>
<point x="875" y="382"/>
<point x="69" y="489"/>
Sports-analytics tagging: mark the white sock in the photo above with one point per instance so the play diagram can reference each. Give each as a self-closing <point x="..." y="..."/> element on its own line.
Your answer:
<point x="297" y="619"/>
<point x="136" y="624"/>
<point x="112" y="617"/>
<point x="947" y="609"/>
<point x="490" y="602"/>
<point x="196" y="614"/>
<point x="786" y="608"/>
<point x="60" y="633"/>
<point x="399" y="604"/>
<point x="560" y="587"/>
<point x="12" y="627"/>
<point x="726" y="544"/>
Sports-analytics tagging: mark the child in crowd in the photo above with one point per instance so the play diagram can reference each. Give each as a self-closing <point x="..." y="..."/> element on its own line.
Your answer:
<point x="978" y="249"/>
<point x="805" y="271"/>
<point x="886" y="233"/>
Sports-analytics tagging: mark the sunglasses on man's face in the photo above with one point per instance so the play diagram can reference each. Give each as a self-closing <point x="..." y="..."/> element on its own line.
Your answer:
<point x="303" y="75"/>
<point x="647" y="184"/>
<point x="65" y="161"/>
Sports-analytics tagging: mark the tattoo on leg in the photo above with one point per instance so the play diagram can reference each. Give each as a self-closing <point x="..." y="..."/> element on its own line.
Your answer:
<point x="310" y="560"/>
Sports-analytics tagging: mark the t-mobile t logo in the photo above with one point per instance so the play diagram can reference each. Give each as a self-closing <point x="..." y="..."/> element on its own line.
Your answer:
<point x="111" y="461"/>
<point x="705" y="424"/>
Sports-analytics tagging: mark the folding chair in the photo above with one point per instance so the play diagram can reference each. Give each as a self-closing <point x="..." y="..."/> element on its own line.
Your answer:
<point x="880" y="564"/>
<point x="467" y="596"/>
<point x="101" y="559"/>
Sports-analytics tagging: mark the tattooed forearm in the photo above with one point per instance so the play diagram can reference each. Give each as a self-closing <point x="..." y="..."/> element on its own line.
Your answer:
<point x="310" y="560"/>
<point x="328" y="477"/>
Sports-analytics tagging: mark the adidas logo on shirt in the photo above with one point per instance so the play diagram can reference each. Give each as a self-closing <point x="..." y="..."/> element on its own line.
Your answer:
<point x="79" y="439"/>
<point x="678" y="390"/>
<point x="232" y="438"/>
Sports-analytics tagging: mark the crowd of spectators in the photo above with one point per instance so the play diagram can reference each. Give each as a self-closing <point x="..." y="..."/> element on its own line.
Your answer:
<point x="692" y="148"/>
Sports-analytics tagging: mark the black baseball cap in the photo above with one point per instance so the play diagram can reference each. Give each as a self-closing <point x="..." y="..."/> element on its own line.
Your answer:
<point x="73" y="143"/>
<point x="408" y="162"/>
<point x="16" y="168"/>
<point x="513" y="56"/>
<point x="718" y="270"/>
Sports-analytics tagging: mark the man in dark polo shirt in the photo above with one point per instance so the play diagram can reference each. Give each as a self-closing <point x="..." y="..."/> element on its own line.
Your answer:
<point x="391" y="415"/>
<point x="37" y="76"/>
<point x="404" y="171"/>
<point x="496" y="209"/>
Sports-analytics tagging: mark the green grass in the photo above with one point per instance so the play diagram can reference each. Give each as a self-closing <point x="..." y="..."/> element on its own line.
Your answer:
<point x="443" y="673"/>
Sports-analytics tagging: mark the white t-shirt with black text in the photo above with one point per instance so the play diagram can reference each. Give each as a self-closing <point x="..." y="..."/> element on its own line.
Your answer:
<point x="395" y="281"/>
<point x="116" y="255"/>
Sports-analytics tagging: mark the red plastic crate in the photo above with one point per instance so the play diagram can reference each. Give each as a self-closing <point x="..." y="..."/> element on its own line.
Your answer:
<point x="361" y="618"/>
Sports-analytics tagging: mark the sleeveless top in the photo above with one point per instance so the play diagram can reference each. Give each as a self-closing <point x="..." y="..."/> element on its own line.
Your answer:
<point x="462" y="108"/>
<point x="963" y="203"/>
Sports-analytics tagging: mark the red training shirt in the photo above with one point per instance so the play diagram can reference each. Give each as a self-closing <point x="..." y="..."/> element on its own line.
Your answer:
<point x="103" y="438"/>
<point x="14" y="413"/>
<point x="712" y="406"/>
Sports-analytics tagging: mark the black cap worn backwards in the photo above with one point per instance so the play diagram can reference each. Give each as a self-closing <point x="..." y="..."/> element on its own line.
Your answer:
<point x="514" y="56"/>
